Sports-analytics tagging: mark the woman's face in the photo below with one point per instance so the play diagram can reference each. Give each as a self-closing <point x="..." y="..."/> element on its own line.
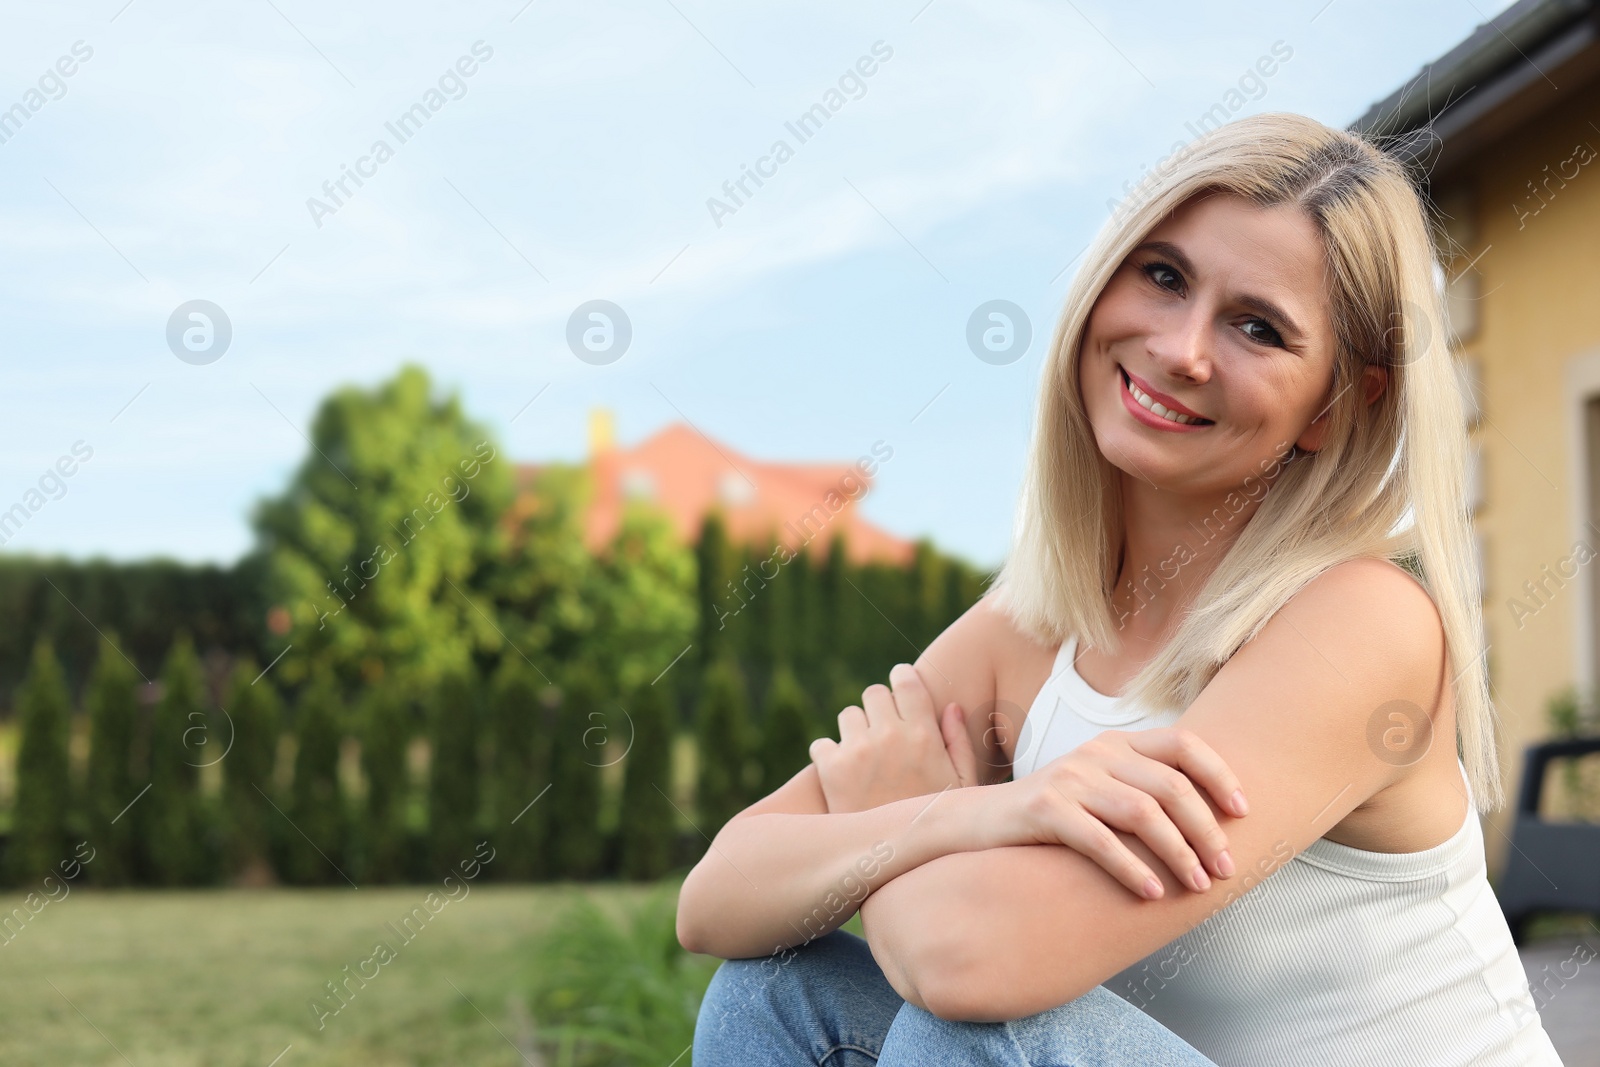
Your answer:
<point x="1220" y="315"/>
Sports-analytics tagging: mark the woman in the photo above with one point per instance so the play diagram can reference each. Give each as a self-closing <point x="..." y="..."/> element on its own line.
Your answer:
<point x="1248" y="416"/>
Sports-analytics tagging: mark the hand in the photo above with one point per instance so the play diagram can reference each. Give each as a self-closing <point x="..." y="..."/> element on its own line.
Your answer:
<point x="897" y="746"/>
<point x="1138" y="781"/>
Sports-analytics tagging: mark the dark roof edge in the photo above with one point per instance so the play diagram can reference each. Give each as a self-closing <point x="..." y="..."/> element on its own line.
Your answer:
<point x="1493" y="47"/>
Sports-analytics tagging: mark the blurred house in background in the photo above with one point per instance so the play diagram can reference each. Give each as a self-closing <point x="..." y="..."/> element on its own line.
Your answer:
<point x="686" y="474"/>
<point x="1503" y="128"/>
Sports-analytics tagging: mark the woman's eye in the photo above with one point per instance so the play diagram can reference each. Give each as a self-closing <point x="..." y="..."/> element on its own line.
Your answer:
<point x="1157" y="271"/>
<point x="1271" y="337"/>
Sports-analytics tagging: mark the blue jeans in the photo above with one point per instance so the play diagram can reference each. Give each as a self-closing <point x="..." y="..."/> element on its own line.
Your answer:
<point x="828" y="1004"/>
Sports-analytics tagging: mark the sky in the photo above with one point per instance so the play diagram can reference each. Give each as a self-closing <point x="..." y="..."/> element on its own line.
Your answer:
<point x="562" y="153"/>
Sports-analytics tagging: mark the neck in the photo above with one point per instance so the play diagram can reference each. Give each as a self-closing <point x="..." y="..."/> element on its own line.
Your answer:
<point x="1170" y="545"/>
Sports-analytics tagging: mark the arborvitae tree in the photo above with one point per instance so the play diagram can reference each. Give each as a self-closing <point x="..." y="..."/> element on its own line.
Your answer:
<point x="454" y="774"/>
<point x="521" y="772"/>
<point x="39" y="832"/>
<point x="723" y="746"/>
<point x="112" y="702"/>
<point x="929" y="588"/>
<point x="842" y="688"/>
<point x="384" y="738"/>
<point x="255" y="710"/>
<point x="173" y="825"/>
<point x="573" y="839"/>
<point x="714" y="565"/>
<point x="839" y="602"/>
<point x="649" y="823"/>
<point x="786" y="731"/>
<point x="314" y="805"/>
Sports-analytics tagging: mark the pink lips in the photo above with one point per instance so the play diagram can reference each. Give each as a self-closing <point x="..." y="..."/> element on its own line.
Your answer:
<point x="1150" y="418"/>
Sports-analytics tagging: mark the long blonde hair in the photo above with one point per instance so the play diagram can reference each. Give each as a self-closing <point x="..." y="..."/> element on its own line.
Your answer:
<point x="1406" y="450"/>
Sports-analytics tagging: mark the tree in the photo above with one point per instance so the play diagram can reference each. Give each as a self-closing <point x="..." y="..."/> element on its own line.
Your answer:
<point x="315" y="806"/>
<point x="453" y="772"/>
<point x="112" y="702"/>
<point x="172" y="821"/>
<point x="649" y="825"/>
<point x="383" y="534"/>
<point x="787" y="730"/>
<point x="714" y="573"/>
<point x="644" y="600"/>
<point x="574" y="842"/>
<point x="723" y="745"/>
<point x="384" y="738"/>
<point x="256" y="712"/>
<point x="39" y="834"/>
<point x="521" y="771"/>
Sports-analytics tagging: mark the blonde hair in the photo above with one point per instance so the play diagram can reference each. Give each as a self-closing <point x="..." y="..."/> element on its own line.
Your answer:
<point x="1405" y="451"/>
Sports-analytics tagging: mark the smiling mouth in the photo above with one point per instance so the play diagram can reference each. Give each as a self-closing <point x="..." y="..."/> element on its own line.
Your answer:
<point x="1153" y="406"/>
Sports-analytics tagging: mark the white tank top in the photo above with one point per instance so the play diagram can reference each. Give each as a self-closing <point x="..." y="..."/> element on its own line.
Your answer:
<point x="1339" y="956"/>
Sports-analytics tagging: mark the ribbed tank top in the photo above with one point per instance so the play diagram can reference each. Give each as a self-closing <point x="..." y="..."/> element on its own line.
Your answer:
<point x="1339" y="956"/>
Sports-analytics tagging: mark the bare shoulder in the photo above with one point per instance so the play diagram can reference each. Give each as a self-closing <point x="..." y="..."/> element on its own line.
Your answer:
<point x="1379" y="611"/>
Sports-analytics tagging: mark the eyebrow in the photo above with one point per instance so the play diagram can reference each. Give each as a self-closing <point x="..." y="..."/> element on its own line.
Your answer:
<point x="1260" y="305"/>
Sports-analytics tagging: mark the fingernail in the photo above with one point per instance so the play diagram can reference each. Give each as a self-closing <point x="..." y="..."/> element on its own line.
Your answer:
<point x="1239" y="804"/>
<point x="1225" y="863"/>
<point x="1201" y="880"/>
<point x="1152" y="888"/>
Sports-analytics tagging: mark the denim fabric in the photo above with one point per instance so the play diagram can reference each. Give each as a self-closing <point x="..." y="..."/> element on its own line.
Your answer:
<point x="828" y="1004"/>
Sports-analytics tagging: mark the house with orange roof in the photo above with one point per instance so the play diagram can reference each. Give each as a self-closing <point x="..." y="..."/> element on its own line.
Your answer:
<point x="686" y="475"/>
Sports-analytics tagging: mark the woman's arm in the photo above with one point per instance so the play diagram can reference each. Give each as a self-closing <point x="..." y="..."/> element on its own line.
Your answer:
<point x="784" y="870"/>
<point x="1012" y="931"/>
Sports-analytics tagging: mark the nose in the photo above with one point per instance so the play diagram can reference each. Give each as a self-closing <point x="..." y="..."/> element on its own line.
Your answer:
<point x="1182" y="347"/>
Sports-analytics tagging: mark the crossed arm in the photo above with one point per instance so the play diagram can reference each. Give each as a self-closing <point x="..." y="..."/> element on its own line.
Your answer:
<point x="990" y="933"/>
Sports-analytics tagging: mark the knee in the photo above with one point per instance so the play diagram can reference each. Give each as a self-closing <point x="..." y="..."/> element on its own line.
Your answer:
<point x="916" y="1031"/>
<point x="744" y="989"/>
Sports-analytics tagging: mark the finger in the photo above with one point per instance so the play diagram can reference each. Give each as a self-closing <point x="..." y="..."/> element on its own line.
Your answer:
<point x="1087" y="835"/>
<point x="822" y="749"/>
<point x="880" y="707"/>
<point x="1186" y="809"/>
<point x="912" y="698"/>
<point x="1134" y="811"/>
<point x="852" y="724"/>
<point x="1186" y="751"/>
<point x="958" y="744"/>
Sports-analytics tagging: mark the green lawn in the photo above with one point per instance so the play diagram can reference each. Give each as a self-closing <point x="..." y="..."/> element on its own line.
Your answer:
<point x="224" y="977"/>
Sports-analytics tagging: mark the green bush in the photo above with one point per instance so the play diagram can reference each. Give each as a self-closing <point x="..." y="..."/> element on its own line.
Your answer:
<point x="786" y="732"/>
<point x="621" y="993"/>
<point x="723" y="740"/>
<point x="574" y="844"/>
<point x="454" y="774"/>
<point x="173" y="824"/>
<point x="112" y="702"/>
<point x="39" y="830"/>
<point x="649" y="824"/>
<point x="384" y="737"/>
<point x="256" y="713"/>
<point x="315" y="804"/>
<point x="521" y="772"/>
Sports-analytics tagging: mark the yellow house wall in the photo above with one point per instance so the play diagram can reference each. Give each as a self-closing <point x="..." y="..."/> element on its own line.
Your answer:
<point x="1538" y="300"/>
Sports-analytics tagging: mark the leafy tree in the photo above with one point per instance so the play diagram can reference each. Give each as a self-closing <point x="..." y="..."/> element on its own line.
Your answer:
<point x="521" y="771"/>
<point x="723" y="744"/>
<point x="574" y="841"/>
<point x="173" y="823"/>
<point x="454" y="774"/>
<point x="256" y="712"/>
<point x="376" y="546"/>
<point x="39" y="834"/>
<point x="315" y="806"/>
<point x="649" y="824"/>
<point x="787" y="732"/>
<point x="385" y="736"/>
<point x="112" y="702"/>
<point x="645" y="613"/>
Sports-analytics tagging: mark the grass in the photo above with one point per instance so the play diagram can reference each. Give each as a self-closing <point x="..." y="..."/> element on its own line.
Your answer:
<point x="224" y="977"/>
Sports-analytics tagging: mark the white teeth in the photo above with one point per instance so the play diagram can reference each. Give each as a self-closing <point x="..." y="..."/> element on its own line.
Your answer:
<point x="1146" y="402"/>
